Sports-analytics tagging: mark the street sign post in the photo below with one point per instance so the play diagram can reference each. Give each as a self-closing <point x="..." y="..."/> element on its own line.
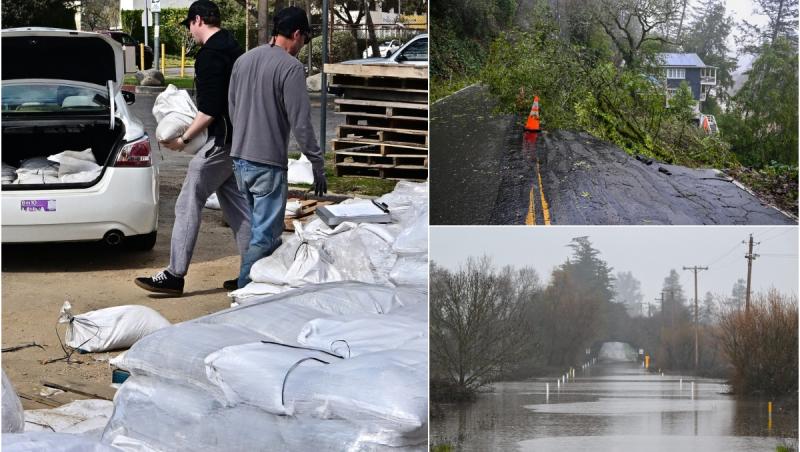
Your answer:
<point x="155" y="7"/>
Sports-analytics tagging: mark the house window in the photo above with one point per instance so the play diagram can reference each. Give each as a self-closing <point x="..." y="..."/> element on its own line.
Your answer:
<point x="678" y="73"/>
<point x="671" y="92"/>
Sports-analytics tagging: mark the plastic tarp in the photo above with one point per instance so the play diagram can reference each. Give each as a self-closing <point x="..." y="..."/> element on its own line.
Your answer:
<point x="52" y="441"/>
<point x="87" y="417"/>
<point x="110" y="328"/>
<point x="12" y="414"/>
<point x="174" y="111"/>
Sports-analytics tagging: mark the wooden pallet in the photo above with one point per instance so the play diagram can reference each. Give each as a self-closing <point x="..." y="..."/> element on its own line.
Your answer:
<point x="378" y="70"/>
<point x="340" y="145"/>
<point x="394" y="173"/>
<point x="363" y="107"/>
<point x="307" y="208"/>
<point x="371" y="135"/>
<point x="382" y="161"/>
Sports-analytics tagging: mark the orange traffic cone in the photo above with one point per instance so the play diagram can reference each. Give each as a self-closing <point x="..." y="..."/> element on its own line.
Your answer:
<point x="532" y="125"/>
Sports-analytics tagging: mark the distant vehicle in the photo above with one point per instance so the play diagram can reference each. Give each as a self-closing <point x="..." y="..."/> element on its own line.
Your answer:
<point x="386" y="48"/>
<point x="62" y="93"/>
<point x="127" y="40"/>
<point x="414" y="52"/>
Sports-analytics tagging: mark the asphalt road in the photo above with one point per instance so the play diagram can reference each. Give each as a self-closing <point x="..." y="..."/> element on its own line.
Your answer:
<point x="484" y="171"/>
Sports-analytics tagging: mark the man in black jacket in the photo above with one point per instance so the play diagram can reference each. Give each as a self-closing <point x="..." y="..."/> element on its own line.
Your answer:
<point x="211" y="169"/>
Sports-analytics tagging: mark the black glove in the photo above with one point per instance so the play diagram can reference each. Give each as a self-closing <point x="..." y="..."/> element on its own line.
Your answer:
<point x="320" y="182"/>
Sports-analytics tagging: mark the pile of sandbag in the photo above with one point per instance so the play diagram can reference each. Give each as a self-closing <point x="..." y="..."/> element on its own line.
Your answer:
<point x="394" y="254"/>
<point x="174" y="112"/>
<point x="336" y="366"/>
<point x="113" y="328"/>
<point x="64" y="167"/>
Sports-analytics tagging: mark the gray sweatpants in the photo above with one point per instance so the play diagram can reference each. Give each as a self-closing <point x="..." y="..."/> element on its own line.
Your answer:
<point x="211" y="170"/>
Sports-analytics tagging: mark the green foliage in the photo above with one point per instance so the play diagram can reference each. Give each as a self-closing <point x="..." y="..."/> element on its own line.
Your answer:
<point x="762" y="123"/>
<point x="776" y="183"/>
<point x="343" y="48"/>
<point x="38" y="13"/>
<point x="172" y="34"/>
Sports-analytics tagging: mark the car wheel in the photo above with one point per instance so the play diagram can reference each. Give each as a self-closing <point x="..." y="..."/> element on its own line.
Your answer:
<point x="144" y="242"/>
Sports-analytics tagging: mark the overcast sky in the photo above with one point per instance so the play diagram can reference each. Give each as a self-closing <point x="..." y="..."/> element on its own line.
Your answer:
<point x="648" y="252"/>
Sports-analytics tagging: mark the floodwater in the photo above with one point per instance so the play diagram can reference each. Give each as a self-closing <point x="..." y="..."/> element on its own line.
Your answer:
<point x="613" y="407"/>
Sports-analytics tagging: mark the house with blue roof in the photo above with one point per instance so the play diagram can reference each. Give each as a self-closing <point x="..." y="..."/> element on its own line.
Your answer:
<point x="688" y="67"/>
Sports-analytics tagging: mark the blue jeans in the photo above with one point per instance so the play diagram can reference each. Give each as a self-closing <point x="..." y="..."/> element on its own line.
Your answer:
<point x="265" y="187"/>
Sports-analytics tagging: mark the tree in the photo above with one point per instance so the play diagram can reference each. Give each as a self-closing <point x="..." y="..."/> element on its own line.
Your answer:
<point x="707" y="36"/>
<point x="632" y="24"/>
<point x="38" y="13"/>
<point x="708" y="311"/>
<point x="674" y="299"/>
<point x="738" y="294"/>
<point x="478" y="322"/>
<point x="627" y="290"/>
<point x="98" y="14"/>
<point x="782" y="15"/>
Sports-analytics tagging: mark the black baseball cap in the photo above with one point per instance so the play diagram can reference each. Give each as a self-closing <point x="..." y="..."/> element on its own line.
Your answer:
<point x="202" y="8"/>
<point x="290" y="19"/>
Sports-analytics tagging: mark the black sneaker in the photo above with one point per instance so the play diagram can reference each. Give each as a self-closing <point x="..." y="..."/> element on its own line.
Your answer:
<point x="231" y="284"/>
<point x="162" y="282"/>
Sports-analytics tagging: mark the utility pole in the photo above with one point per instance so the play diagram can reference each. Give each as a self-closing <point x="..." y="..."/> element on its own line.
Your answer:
<point x="750" y="258"/>
<point x="660" y="300"/>
<point x="695" y="269"/>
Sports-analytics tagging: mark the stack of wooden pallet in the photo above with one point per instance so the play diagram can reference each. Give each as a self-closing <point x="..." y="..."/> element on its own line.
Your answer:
<point x="386" y="120"/>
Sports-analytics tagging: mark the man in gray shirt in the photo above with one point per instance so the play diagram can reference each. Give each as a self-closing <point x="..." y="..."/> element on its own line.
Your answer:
<point x="267" y="99"/>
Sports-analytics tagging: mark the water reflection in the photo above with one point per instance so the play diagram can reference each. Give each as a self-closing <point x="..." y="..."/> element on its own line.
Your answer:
<point x="609" y="408"/>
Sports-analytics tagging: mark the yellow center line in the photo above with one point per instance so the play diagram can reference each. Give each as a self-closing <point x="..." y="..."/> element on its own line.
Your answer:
<point x="530" y="220"/>
<point x="545" y="206"/>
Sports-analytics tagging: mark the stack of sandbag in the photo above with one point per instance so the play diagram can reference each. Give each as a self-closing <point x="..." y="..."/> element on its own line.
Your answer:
<point x="9" y="174"/>
<point x="74" y="166"/>
<point x="37" y="170"/>
<point x="388" y="254"/>
<point x="240" y="379"/>
<point x="174" y="112"/>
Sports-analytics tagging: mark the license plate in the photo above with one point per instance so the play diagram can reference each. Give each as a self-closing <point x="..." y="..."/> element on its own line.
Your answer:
<point x="38" y="205"/>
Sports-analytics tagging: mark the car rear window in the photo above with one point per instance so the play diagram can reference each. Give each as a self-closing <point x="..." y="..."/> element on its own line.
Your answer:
<point x="45" y="97"/>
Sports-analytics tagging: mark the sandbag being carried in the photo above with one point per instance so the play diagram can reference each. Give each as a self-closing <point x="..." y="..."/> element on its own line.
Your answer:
<point x="13" y="416"/>
<point x="110" y="328"/>
<point x="174" y="111"/>
<point x="300" y="171"/>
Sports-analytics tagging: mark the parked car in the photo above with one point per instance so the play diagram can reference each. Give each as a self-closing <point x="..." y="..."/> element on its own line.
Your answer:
<point x="61" y="91"/>
<point x="386" y="48"/>
<point x="415" y="52"/>
<point x="127" y="40"/>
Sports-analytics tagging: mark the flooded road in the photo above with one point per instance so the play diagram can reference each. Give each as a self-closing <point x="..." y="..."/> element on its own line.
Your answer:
<point x="613" y="407"/>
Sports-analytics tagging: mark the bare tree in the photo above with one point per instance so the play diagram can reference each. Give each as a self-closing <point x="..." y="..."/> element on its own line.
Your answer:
<point x="98" y="14"/>
<point x="632" y="23"/>
<point x="478" y="322"/>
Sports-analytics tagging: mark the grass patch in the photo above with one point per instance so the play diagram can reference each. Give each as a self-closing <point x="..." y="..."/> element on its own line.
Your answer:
<point x="441" y="88"/>
<point x="180" y="82"/>
<point x="350" y="185"/>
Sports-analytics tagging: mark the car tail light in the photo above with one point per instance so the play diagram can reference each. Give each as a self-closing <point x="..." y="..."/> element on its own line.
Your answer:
<point x="135" y="154"/>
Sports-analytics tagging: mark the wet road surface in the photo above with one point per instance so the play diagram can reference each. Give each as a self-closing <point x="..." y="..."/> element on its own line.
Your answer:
<point x="613" y="407"/>
<point x="485" y="171"/>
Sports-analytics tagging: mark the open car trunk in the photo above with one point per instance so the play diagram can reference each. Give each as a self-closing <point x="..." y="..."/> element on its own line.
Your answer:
<point x="40" y="138"/>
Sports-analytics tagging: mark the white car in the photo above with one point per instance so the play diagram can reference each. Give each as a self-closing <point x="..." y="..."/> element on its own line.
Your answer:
<point x="385" y="48"/>
<point x="61" y="92"/>
<point x="414" y="52"/>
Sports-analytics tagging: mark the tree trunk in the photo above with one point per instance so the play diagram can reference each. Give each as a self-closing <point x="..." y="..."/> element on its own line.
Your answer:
<point x="778" y="21"/>
<point x="263" y="22"/>
<point x="371" y="31"/>
<point x="680" y="25"/>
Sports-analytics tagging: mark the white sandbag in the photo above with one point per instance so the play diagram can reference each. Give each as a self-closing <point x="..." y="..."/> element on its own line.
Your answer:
<point x="174" y="125"/>
<point x="213" y="202"/>
<point x="273" y="269"/>
<point x="174" y="111"/>
<point x="312" y="264"/>
<point x="280" y="322"/>
<point x="300" y="171"/>
<point x="177" y="353"/>
<point x="85" y="155"/>
<point x="52" y="441"/>
<point x="255" y="373"/>
<point x="37" y="170"/>
<point x="12" y="414"/>
<point x="110" y="328"/>
<point x="256" y="289"/>
<point x="410" y="270"/>
<point x="37" y="178"/>
<point x="293" y="208"/>
<point x="9" y="173"/>
<point x="172" y="100"/>
<point x="87" y="417"/>
<point x="414" y="237"/>
<point x="151" y="414"/>
<point x="351" y="336"/>
<point x="385" y="390"/>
